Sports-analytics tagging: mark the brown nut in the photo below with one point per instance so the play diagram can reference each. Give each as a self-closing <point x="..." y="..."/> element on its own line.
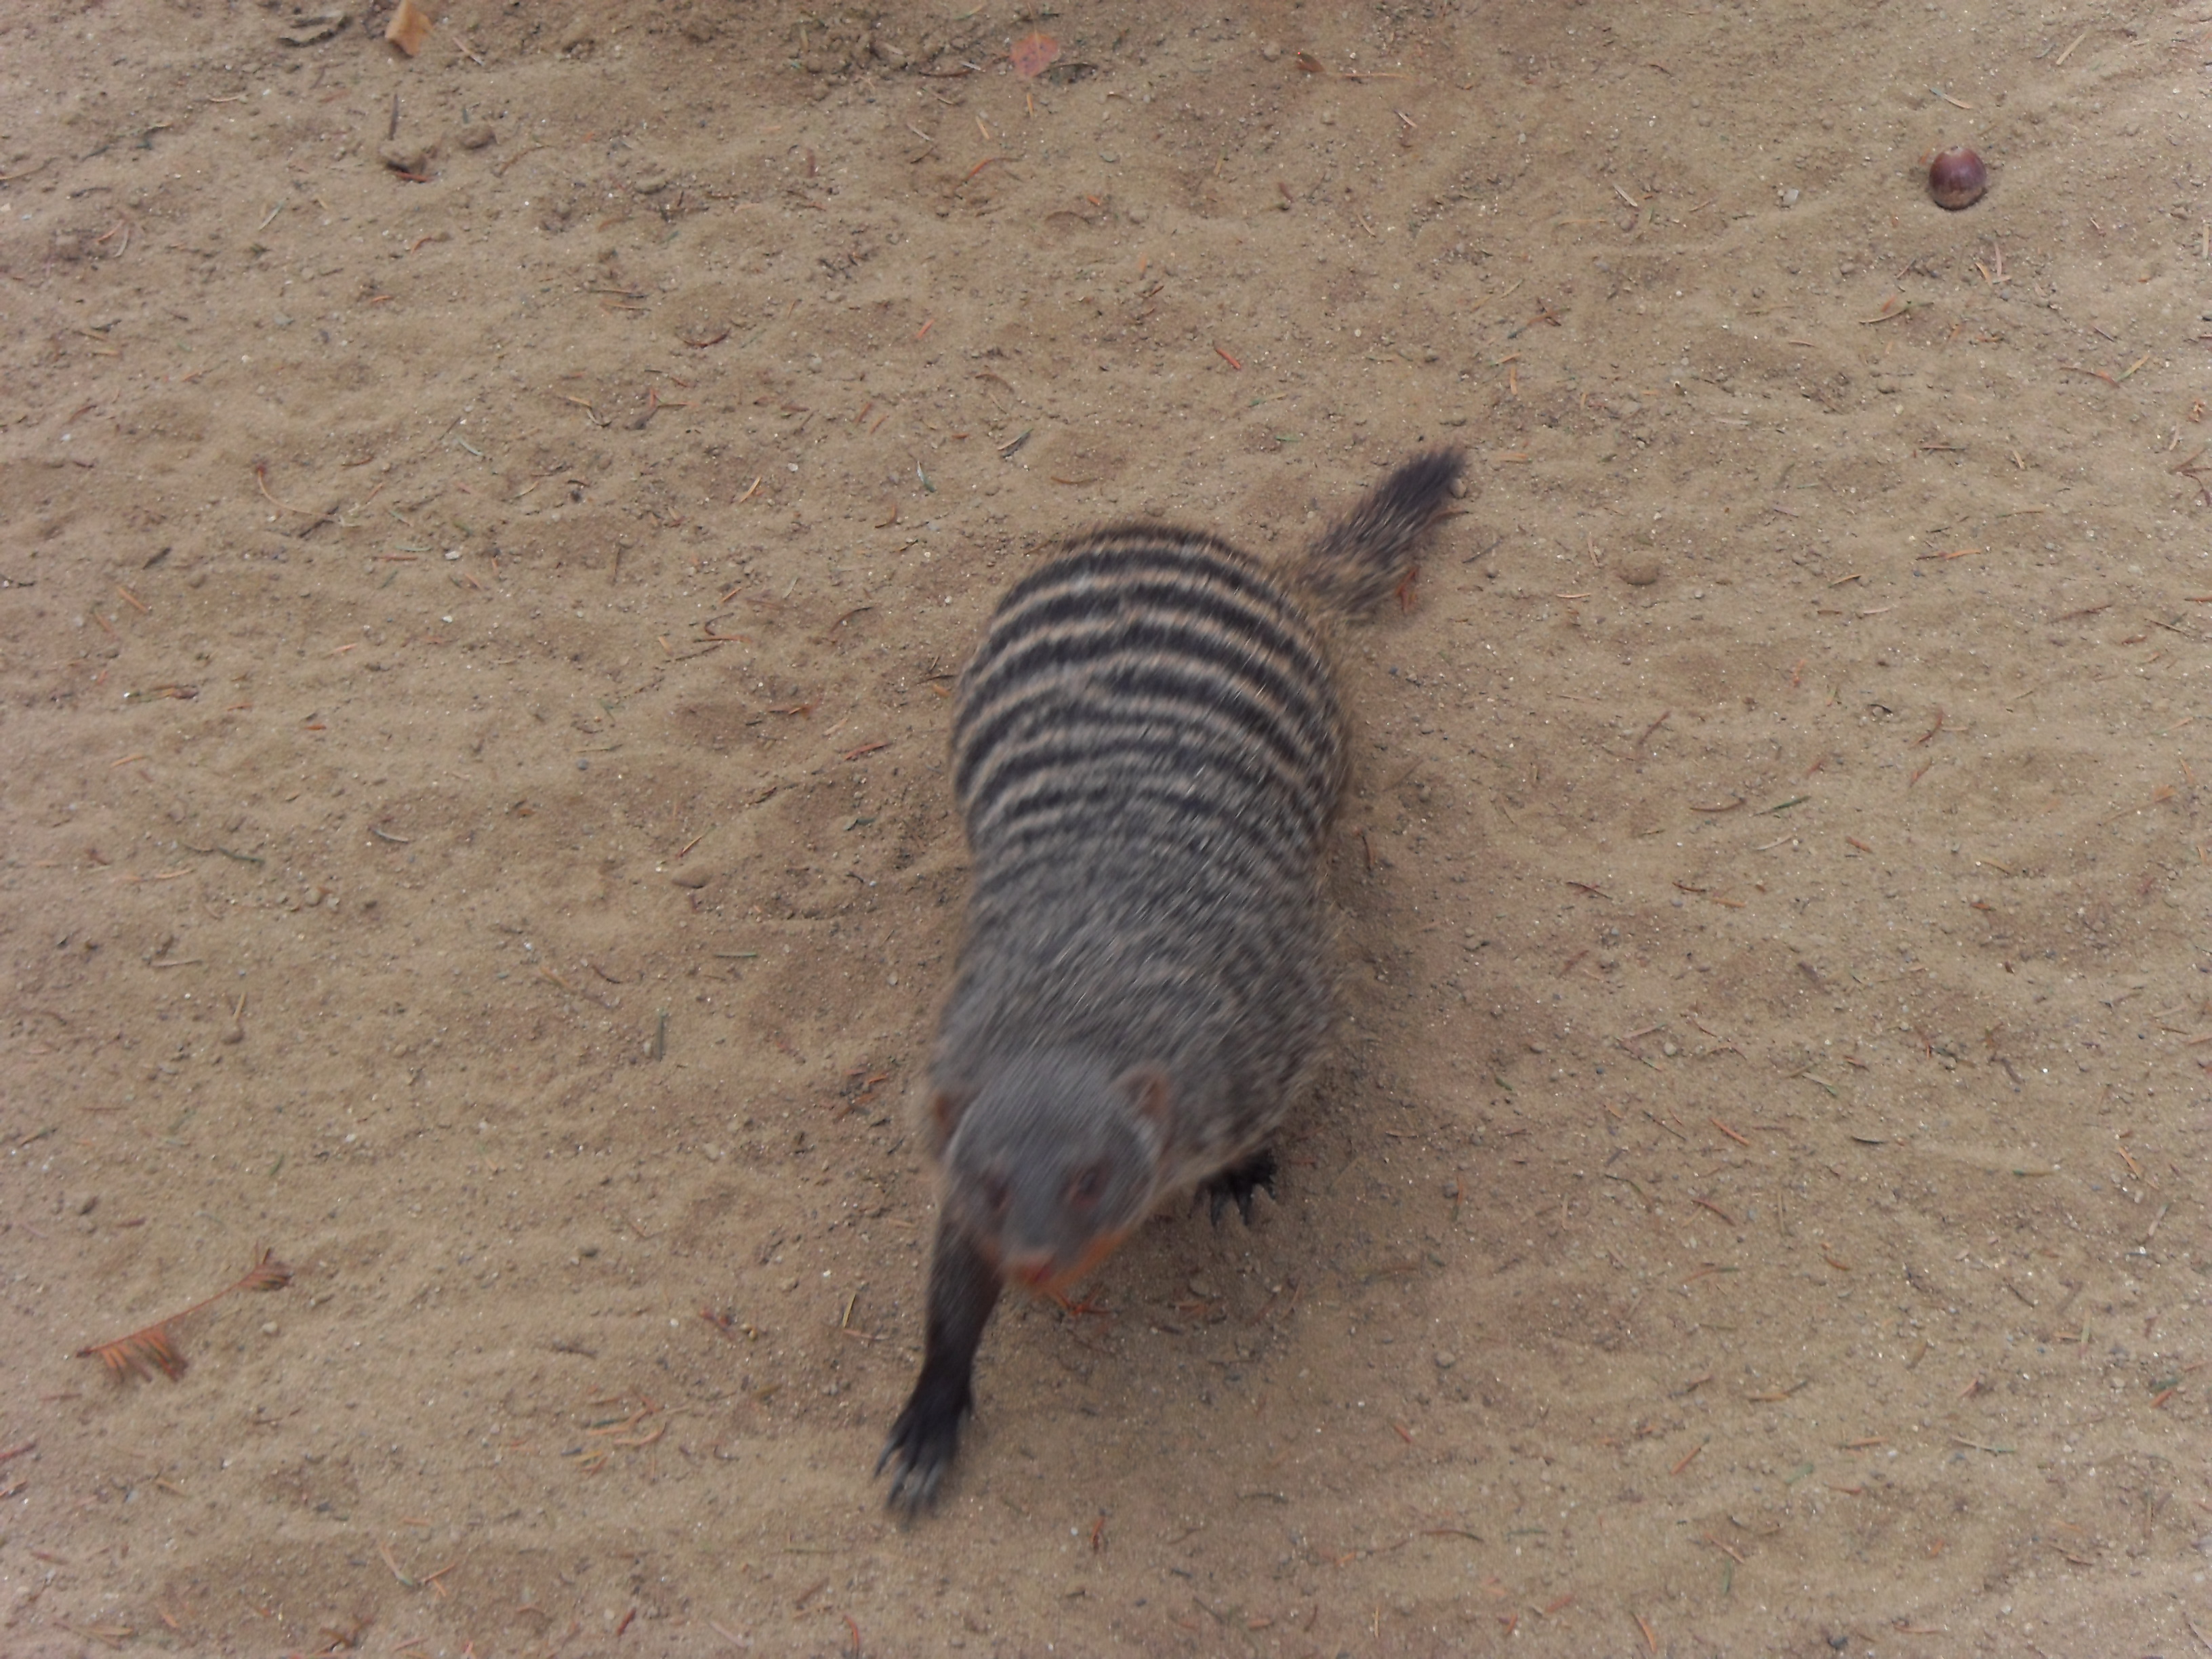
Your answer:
<point x="1956" y="177"/>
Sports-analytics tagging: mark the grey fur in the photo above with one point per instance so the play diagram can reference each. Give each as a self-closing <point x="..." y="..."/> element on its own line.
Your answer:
<point x="1147" y="751"/>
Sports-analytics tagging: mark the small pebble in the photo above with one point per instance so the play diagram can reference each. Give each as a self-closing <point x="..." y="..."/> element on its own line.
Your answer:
<point x="476" y="136"/>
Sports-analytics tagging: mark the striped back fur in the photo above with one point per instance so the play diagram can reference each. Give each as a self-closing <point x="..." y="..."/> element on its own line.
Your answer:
<point x="1153" y="680"/>
<point x="1147" y="749"/>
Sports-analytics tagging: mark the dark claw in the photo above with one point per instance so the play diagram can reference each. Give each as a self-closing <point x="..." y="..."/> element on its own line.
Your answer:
<point x="921" y="1447"/>
<point x="1238" y="1184"/>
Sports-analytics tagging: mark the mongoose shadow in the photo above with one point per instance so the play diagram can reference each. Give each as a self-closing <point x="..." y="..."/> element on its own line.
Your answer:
<point x="1148" y="753"/>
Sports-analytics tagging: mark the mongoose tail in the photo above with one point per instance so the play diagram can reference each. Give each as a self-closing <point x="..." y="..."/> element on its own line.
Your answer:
<point x="1365" y="556"/>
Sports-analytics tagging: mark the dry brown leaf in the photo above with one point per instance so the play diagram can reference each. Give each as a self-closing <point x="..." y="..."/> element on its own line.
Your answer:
<point x="408" y="29"/>
<point x="1033" y="53"/>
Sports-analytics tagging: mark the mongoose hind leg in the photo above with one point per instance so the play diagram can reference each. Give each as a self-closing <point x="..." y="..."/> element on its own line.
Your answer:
<point x="1236" y="1184"/>
<point x="964" y="1288"/>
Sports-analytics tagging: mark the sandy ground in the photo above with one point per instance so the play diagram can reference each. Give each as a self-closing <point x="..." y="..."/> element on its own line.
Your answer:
<point x="475" y="635"/>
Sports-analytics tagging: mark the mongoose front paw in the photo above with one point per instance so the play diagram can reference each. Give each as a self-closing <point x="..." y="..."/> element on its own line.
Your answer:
<point x="921" y="1447"/>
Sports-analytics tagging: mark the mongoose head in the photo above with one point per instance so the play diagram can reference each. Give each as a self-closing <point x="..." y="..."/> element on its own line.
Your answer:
<point x="1053" y="1162"/>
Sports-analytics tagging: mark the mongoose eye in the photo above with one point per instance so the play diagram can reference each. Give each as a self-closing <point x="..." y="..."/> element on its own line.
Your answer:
<point x="1089" y="1185"/>
<point x="998" y="1194"/>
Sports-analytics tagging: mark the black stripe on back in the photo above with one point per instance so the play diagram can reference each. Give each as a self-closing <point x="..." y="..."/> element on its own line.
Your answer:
<point x="1108" y="553"/>
<point x="1042" y="801"/>
<point x="1208" y="579"/>
<point x="1077" y="624"/>
<point x="1186" y="695"/>
<point x="1061" y="619"/>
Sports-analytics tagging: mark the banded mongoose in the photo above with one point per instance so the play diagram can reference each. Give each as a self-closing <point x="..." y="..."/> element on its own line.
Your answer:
<point x="1147" y="751"/>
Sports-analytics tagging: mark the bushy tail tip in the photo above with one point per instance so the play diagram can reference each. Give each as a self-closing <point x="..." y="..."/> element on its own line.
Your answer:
<point x="1365" y="556"/>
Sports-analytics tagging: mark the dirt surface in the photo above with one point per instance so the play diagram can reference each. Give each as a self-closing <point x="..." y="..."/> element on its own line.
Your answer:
<point x="485" y="541"/>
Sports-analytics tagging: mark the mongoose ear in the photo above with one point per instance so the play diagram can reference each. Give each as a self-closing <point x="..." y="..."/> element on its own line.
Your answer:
<point x="1149" y="1092"/>
<point x="942" y="1117"/>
